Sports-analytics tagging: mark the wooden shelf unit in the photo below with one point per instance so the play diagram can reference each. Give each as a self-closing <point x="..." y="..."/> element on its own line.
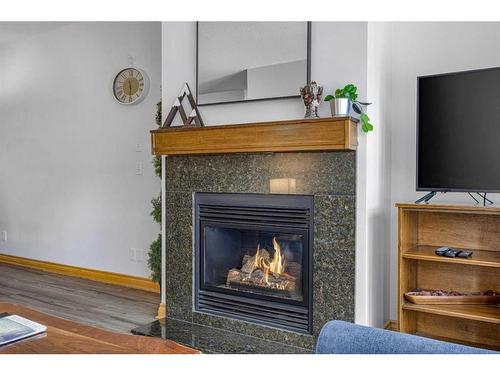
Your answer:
<point x="323" y="134"/>
<point x="422" y="229"/>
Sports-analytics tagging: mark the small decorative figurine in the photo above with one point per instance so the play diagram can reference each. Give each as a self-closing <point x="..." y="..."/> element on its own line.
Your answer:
<point x="311" y="95"/>
<point x="194" y="114"/>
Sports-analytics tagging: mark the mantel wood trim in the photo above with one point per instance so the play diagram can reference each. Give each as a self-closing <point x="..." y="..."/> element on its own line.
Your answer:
<point x="325" y="134"/>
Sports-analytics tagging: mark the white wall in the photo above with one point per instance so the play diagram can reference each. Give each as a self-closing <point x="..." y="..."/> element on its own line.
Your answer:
<point x="378" y="173"/>
<point x="339" y="56"/>
<point x="69" y="192"/>
<point x="420" y="49"/>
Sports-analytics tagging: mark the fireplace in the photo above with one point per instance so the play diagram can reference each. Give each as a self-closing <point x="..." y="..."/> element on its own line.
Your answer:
<point x="253" y="258"/>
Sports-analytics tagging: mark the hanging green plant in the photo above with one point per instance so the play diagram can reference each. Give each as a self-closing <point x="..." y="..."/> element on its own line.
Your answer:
<point x="156" y="213"/>
<point x="154" y="254"/>
<point x="157" y="165"/>
<point x="158" y="114"/>
<point x="154" y="260"/>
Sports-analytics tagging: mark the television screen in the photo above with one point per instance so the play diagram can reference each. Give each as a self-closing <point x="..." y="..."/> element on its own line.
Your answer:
<point x="458" y="137"/>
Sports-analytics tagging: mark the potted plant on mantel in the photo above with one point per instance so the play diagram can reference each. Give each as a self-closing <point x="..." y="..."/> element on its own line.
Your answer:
<point x="345" y="99"/>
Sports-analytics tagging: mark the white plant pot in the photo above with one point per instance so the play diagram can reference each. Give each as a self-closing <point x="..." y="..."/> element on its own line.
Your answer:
<point x="340" y="107"/>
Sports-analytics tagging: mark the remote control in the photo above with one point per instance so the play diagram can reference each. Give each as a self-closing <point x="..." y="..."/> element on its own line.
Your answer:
<point x="442" y="250"/>
<point x="452" y="253"/>
<point x="464" y="254"/>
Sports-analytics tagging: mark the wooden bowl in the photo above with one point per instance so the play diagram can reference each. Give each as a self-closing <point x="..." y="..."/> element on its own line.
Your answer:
<point x="413" y="297"/>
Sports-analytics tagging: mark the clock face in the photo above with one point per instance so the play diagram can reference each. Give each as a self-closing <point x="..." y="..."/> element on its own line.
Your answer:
<point x="129" y="86"/>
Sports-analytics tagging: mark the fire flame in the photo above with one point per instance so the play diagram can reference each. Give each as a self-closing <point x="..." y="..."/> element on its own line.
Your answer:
<point x="257" y="257"/>
<point x="276" y="266"/>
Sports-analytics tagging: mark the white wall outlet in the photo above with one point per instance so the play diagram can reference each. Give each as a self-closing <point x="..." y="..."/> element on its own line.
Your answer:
<point x="140" y="255"/>
<point x="137" y="255"/>
<point x="138" y="168"/>
<point x="4" y="235"/>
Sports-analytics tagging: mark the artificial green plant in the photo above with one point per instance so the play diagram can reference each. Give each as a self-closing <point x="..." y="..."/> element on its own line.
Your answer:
<point x="350" y="92"/>
<point x="154" y="255"/>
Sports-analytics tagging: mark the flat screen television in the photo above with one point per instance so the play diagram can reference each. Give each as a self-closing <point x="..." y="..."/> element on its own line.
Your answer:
<point x="458" y="131"/>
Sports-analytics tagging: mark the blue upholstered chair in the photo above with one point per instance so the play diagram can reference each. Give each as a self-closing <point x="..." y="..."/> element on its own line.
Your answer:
<point x="338" y="337"/>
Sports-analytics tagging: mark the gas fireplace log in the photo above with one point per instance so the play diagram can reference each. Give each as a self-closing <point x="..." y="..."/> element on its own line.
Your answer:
<point x="233" y="275"/>
<point x="249" y="263"/>
<point x="257" y="279"/>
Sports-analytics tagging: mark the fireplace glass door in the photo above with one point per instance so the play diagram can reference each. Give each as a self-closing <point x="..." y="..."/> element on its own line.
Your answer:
<point x="253" y="255"/>
<point x="257" y="261"/>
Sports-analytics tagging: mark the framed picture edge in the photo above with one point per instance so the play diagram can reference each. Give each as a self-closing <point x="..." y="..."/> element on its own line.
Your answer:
<point x="308" y="73"/>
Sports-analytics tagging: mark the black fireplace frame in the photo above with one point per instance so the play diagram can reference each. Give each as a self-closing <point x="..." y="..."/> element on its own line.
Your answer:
<point x="298" y="314"/>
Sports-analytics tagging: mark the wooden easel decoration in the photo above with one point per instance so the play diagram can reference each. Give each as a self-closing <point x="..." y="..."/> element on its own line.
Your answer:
<point x="194" y="115"/>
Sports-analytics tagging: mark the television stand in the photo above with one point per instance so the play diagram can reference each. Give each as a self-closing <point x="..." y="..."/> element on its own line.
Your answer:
<point x="483" y="197"/>
<point x="422" y="229"/>
<point x="426" y="198"/>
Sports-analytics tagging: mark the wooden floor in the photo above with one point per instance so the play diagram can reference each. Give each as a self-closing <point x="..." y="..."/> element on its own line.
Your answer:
<point x="89" y="302"/>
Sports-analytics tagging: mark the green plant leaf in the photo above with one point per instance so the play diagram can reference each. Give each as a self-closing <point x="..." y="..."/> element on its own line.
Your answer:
<point x="364" y="118"/>
<point x="328" y="98"/>
<point x="339" y="93"/>
<point x="157" y="165"/>
<point x="369" y="126"/>
<point x="351" y="88"/>
<point x="357" y="108"/>
<point x="364" y="103"/>
<point x="364" y="127"/>
<point x="154" y="259"/>
<point x="156" y="213"/>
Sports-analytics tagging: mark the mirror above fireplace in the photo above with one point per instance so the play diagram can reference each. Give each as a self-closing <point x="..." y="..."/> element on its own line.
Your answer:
<point x="247" y="61"/>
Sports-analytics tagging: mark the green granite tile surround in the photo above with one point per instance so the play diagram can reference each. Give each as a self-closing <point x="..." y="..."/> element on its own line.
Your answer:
<point x="212" y="340"/>
<point x="329" y="176"/>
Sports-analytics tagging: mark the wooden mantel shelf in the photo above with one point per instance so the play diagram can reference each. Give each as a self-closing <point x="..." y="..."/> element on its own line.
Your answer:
<point x="324" y="134"/>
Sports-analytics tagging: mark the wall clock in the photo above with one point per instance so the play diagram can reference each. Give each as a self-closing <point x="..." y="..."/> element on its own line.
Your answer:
<point x="130" y="86"/>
